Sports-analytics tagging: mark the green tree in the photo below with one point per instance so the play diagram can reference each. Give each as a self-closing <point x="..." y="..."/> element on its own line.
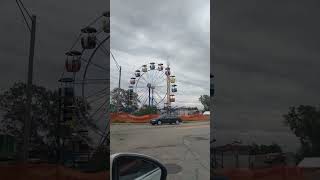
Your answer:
<point x="265" y="149"/>
<point x="146" y="110"/>
<point x="124" y="100"/>
<point x="205" y="101"/>
<point x="45" y="114"/>
<point x="304" y="122"/>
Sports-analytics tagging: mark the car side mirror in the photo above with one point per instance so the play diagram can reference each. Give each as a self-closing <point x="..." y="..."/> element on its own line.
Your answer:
<point x="129" y="166"/>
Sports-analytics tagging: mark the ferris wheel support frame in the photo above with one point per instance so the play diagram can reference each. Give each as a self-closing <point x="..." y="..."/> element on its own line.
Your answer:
<point x="89" y="61"/>
<point x="150" y="90"/>
<point x="150" y="95"/>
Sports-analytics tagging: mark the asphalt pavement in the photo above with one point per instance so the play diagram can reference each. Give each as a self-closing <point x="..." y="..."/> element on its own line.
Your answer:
<point x="183" y="149"/>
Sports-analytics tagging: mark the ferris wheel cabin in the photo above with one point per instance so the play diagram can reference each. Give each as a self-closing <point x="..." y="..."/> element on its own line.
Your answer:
<point x="168" y="71"/>
<point x="137" y="73"/>
<point x="172" y="79"/>
<point x="132" y="80"/>
<point x="152" y="66"/>
<point x="89" y="39"/>
<point x="174" y="88"/>
<point x="160" y="67"/>
<point x="172" y="98"/>
<point x="144" y="68"/>
<point x="73" y="62"/>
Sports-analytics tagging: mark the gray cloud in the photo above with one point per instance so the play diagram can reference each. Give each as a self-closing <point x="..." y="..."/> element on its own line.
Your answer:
<point x="145" y="31"/>
<point x="265" y="60"/>
<point x="58" y="25"/>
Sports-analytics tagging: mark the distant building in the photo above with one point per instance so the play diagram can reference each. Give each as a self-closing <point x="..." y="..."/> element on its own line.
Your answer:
<point x="7" y="147"/>
<point x="311" y="167"/>
<point x="310" y="163"/>
<point x="206" y="113"/>
<point x="186" y="110"/>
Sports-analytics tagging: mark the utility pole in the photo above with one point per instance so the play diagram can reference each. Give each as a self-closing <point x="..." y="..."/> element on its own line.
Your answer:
<point x="28" y="116"/>
<point x="119" y="86"/>
<point x="119" y="77"/>
<point x="149" y="96"/>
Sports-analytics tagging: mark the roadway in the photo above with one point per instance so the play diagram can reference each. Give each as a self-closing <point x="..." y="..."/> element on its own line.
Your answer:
<point x="183" y="149"/>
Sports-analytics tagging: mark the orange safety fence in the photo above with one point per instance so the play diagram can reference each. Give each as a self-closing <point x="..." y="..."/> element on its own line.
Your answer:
<point x="195" y="117"/>
<point x="128" y="118"/>
<point x="47" y="172"/>
<point x="275" y="173"/>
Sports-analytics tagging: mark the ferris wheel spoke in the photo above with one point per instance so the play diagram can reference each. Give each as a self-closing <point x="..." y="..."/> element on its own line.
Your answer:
<point x="160" y="86"/>
<point x="146" y="76"/>
<point x="142" y="83"/>
<point x="97" y="98"/>
<point x="144" y="79"/>
<point x="151" y="76"/>
<point x="160" y="78"/>
<point x="104" y="49"/>
<point x="155" y="100"/>
<point x="154" y="75"/>
<point x="96" y="65"/>
<point x="159" y="73"/>
<point x="160" y="98"/>
<point x="157" y="94"/>
<point x="141" y="100"/>
<point x="104" y="112"/>
<point x="138" y="90"/>
<point x="87" y="83"/>
<point x="145" y="94"/>
<point x="98" y="109"/>
<point x="92" y="80"/>
<point x="96" y="93"/>
<point x="141" y="90"/>
<point x="145" y="98"/>
<point x="95" y="20"/>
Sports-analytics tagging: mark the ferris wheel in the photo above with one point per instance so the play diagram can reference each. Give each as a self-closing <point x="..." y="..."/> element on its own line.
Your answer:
<point x="86" y="76"/>
<point x="154" y="85"/>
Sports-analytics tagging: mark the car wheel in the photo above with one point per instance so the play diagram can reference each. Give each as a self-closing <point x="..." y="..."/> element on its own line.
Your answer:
<point x="159" y="122"/>
<point x="177" y="122"/>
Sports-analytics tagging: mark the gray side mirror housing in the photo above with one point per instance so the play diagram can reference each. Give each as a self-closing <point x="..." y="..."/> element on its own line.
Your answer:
<point x="129" y="166"/>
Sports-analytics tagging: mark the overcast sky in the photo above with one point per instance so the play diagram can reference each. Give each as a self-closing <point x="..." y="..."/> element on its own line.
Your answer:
<point x="143" y="31"/>
<point x="266" y="58"/>
<point x="58" y="25"/>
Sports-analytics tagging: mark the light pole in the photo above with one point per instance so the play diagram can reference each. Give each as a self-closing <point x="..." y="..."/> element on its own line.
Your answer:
<point x="28" y="116"/>
<point x="119" y="77"/>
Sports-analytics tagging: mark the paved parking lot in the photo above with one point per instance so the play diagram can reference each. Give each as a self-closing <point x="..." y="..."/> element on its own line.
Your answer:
<point x="184" y="148"/>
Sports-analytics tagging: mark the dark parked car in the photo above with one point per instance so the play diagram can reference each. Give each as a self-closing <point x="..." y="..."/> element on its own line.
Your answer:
<point x="166" y="119"/>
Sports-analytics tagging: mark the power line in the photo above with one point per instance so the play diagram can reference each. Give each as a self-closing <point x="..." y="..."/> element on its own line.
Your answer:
<point x="24" y="8"/>
<point x="114" y="59"/>
<point x="22" y="13"/>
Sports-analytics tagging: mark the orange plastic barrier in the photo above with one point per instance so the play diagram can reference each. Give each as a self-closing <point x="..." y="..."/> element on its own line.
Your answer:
<point x="47" y="172"/>
<point x="128" y="118"/>
<point x="239" y="174"/>
<point x="275" y="173"/>
<point x="194" y="117"/>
